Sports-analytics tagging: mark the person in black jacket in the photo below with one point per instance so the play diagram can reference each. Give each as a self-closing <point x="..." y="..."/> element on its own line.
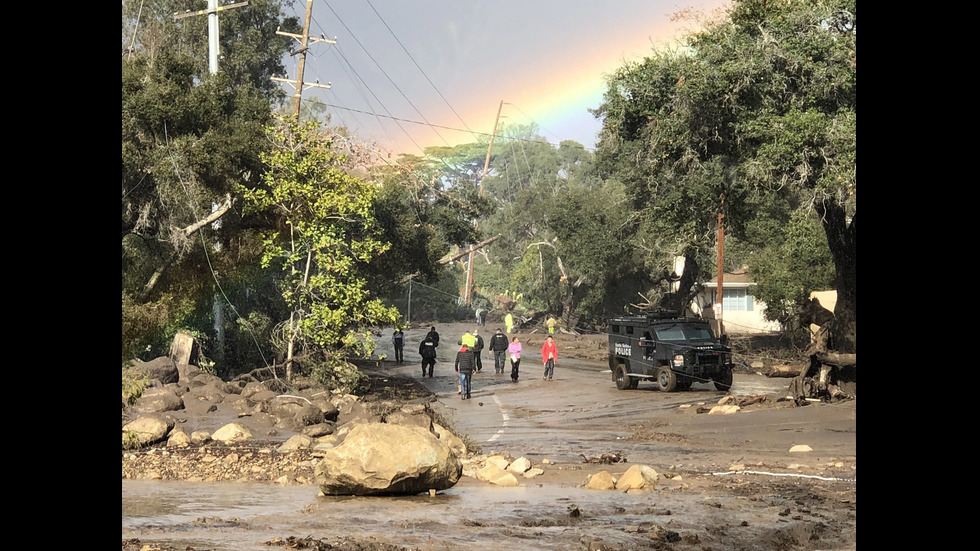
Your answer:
<point x="465" y="363"/>
<point x="427" y="349"/>
<point x="434" y="335"/>
<point x="478" y="350"/>
<point x="499" y="344"/>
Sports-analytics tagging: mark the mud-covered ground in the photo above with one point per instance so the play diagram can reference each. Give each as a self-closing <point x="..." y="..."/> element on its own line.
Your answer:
<point x="727" y="481"/>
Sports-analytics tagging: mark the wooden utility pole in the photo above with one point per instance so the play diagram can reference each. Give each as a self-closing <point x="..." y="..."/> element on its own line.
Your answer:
<point x="486" y="166"/>
<point x="212" y="13"/>
<point x="304" y="40"/>
<point x="720" y="306"/>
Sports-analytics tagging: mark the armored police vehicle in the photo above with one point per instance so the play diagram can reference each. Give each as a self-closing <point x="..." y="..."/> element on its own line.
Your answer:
<point x="672" y="352"/>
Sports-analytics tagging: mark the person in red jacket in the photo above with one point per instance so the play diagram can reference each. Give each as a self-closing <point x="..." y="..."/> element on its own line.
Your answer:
<point x="549" y="355"/>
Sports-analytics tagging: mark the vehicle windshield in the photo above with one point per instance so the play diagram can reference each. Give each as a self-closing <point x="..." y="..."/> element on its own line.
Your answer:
<point x="684" y="332"/>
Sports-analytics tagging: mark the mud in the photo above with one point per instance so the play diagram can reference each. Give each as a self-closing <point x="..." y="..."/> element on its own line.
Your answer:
<point x="727" y="481"/>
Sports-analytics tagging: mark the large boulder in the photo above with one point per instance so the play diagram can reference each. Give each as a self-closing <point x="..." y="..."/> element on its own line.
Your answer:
<point x="386" y="459"/>
<point x="149" y="429"/>
<point x="157" y="399"/>
<point x="162" y="369"/>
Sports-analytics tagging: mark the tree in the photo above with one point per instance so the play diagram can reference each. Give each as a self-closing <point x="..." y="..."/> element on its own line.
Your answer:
<point x="758" y="107"/>
<point x="325" y="236"/>
<point x="188" y="139"/>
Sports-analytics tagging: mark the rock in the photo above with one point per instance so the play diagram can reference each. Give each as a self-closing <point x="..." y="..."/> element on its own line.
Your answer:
<point x="519" y="466"/>
<point x="232" y="433"/>
<point x="800" y="448"/>
<point x="163" y="369"/>
<point x="493" y="474"/>
<point x="318" y="430"/>
<point x="157" y="400"/>
<point x="199" y="437"/>
<point x="149" y="429"/>
<point x="178" y="439"/>
<point x="417" y="419"/>
<point x="499" y="461"/>
<point x="454" y="442"/>
<point x="386" y="459"/>
<point x="601" y="480"/>
<point x="297" y="442"/>
<point x="638" y="477"/>
<point x="724" y="410"/>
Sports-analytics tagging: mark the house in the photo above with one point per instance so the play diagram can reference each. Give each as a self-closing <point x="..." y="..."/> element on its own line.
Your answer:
<point x="741" y="312"/>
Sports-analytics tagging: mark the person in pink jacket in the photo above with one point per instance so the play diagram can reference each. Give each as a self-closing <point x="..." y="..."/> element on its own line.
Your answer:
<point x="514" y="350"/>
<point x="549" y="355"/>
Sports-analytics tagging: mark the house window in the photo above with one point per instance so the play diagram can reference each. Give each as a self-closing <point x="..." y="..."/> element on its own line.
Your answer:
<point x="736" y="300"/>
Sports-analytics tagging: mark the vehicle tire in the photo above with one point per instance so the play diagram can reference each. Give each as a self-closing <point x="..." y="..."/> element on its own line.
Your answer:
<point x="724" y="381"/>
<point x="623" y="380"/>
<point x="666" y="379"/>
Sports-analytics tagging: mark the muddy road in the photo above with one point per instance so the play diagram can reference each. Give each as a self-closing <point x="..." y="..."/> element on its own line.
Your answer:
<point x="729" y="481"/>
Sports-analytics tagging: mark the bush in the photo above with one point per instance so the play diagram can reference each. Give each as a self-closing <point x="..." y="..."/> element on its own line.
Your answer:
<point x="133" y="385"/>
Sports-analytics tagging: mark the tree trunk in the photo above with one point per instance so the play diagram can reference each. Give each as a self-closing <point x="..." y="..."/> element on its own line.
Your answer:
<point x="842" y="240"/>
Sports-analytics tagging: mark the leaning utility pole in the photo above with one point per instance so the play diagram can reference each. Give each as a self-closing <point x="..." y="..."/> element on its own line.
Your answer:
<point x="486" y="166"/>
<point x="304" y="40"/>
<point x="212" y="13"/>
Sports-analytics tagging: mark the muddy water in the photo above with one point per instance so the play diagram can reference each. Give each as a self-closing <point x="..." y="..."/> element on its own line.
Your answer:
<point x="471" y="515"/>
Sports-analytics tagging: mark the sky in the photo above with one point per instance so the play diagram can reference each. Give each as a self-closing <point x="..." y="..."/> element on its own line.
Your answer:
<point x="406" y="75"/>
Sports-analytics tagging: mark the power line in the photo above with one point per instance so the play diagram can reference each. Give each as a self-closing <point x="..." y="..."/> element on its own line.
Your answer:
<point x="417" y="65"/>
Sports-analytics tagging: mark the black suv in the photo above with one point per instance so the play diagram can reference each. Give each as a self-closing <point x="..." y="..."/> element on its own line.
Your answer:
<point x="674" y="352"/>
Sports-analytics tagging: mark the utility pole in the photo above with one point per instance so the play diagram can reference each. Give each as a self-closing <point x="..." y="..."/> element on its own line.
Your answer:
<point x="304" y="40"/>
<point x="720" y="306"/>
<point x="212" y="13"/>
<point x="486" y="166"/>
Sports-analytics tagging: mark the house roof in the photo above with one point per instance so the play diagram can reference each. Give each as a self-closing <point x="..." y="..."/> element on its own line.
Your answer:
<point x="739" y="279"/>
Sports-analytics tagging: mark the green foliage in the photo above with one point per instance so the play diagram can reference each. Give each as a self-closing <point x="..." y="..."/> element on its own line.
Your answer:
<point x="798" y="262"/>
<point x="339" y="374"/>
<point x="133" y="386"/>
<point x="131" y="440"/>
<point x="328" y="237"/>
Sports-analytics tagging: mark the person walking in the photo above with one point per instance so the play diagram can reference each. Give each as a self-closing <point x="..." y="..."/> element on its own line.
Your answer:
<point x="434" y="335"/>
<point x="549" y="355"/>
<point x="478" y="350"/>
<point x="468" y="339"/>
<point x="479" y="316"/>
<point x="551" y="325"/>
<point x="509" y="322"/>
<point x="427" y="349"/>
<point x="498" y="345"/>
<point x="398" y="341"/>
<point x="464" y="366"/>
<point x="514" y="350"/>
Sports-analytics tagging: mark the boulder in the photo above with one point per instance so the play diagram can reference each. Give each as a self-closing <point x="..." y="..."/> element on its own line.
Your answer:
<point x="454" y="442"/>
<point x="493" y="474"/>
<point x="157" y="400"/>
<point x="163" y="369"/>
<point x="296" y="442"/>
<point x="386" y="459"/>
<point x="638" y="477"/>
<point x="601" y="480"/>
<point x="519" y="465"/>
<point x="232" y="433"/>
<point x="178" y="439"/>
<point x="149" y="429"/>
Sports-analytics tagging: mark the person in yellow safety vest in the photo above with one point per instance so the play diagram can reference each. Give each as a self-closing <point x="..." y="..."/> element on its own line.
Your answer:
<point x="467" y="339"/>
<point x="551" y="325"/>
<point x="509" y="322"/>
